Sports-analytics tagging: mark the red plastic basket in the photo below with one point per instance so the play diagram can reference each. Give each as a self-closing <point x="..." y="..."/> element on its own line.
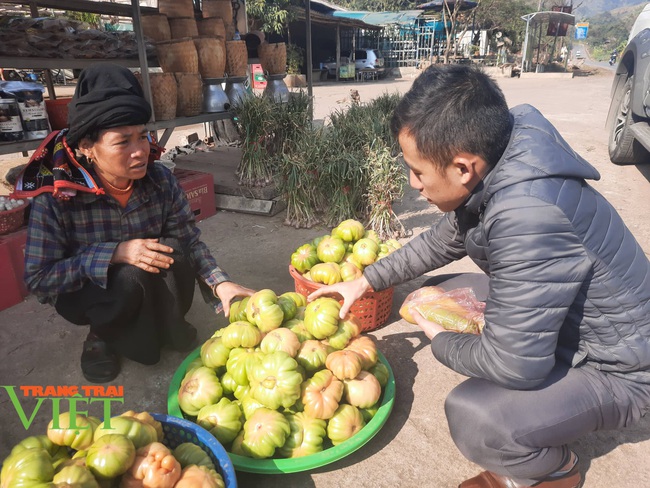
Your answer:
<point x="372" y="309"/>
<point x="11" y="220"/>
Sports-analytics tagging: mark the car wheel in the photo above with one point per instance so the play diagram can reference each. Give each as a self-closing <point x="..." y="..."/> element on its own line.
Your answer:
<point x="623" y="148"/>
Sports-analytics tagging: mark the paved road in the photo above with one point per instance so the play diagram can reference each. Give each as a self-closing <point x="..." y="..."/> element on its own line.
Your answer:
<point x="413" y="449"/>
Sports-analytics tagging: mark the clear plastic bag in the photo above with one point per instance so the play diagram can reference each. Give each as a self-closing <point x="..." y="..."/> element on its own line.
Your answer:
<point x="456" y="310"/>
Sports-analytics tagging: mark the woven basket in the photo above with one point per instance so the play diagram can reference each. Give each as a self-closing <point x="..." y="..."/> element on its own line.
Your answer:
<point x="189" y="94"/>
<point x="163" y="94"/>
<point x="273" y="57"/>
<point x="236" y="58"/>
<point x="213" y="27"/>
<point x="212" y="56"/>
<point x="177" y="431"/>
<point x="372" y="309"/>
<point x="183" y="27"/>
<point x="11" y="220"/>
<point x="178" y="56"/>
<point x="156" y="27"/>
<point x="176" y="8"/>
<point x="218" y="8"/>
<point x="230" y="30"/>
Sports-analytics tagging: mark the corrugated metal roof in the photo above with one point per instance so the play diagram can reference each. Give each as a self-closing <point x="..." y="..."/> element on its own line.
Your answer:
<point x="383" y="18"/>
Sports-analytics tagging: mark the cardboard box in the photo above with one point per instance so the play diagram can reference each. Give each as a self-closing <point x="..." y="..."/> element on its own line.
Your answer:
<point x="199" y="189"/>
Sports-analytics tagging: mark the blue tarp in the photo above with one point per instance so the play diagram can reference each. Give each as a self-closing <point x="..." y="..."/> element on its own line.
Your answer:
<point x="405" y="17"/>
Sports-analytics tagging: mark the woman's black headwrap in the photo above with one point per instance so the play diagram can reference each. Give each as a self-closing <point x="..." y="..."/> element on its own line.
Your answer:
<point x="107" y="95"/>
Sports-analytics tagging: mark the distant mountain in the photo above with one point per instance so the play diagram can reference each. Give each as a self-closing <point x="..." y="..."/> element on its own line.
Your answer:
<point x="590" y="8"/>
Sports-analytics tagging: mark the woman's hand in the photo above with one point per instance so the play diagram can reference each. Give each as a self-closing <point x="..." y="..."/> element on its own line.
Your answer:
<point x="351" y="291"/>
<point x="431" y="329"/>
<point x="146" y="254"/>
<point x="227" y="291"/>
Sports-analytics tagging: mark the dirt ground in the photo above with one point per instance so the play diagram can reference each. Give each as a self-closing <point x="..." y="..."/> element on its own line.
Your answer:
<point x="414" y="448"/>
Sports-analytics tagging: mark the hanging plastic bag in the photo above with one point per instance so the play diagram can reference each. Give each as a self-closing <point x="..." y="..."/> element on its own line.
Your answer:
<point x="456" y="310"/>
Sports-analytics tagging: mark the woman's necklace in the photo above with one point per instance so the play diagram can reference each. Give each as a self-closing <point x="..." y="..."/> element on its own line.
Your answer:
<point x="120" y="190"/>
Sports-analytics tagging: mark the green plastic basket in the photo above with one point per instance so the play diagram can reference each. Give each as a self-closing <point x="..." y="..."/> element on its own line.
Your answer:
<point x="306" y="463"/>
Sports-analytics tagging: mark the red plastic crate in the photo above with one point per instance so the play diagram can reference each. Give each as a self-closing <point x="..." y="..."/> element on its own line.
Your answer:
<point x="16" y="242"/>
<point x="10" y="291"/>
<point x="199" y="189"/>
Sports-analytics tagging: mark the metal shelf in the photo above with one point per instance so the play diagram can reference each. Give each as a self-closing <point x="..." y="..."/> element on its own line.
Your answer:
<point x="61" y="63"/>
<point x="166" y="125"/>
<point x="21" y="146"/>
<point x="104" y="8"/>
<point x="181" y="121"/>
<point x="133" y="10"/>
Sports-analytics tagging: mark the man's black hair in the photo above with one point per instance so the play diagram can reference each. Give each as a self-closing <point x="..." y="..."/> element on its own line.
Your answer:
<point x="452" y="109"/>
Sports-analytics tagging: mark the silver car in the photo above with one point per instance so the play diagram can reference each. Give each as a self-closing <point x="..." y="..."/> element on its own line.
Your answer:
<point x="629" y="111"/>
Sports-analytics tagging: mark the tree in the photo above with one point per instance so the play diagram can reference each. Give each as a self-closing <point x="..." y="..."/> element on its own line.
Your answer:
<point x="272" y="17"/>
<point x="505" y="16"/>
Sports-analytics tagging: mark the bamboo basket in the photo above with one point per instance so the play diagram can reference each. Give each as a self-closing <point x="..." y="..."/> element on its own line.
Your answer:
<point x="176" y="8"/>
<point x="156" y="27"/>
<point x="218" y="8"/>
<point x="189" y="94"/>
<point x="230" y="30"/>
<point x="183" y="27"/>
<point x="212" y="56"/>
<point x="236" y="58"/>
<point x="164" y="95"/>
<point x="273" y="57"/>
<point x="213" y="27"/>
<point x="178" y="56"/>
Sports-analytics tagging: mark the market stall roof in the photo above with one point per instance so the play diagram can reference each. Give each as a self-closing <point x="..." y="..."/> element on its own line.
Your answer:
<point x="549" y="17"/>
<point x="438" y="5"/>
<point x="407" y="17"/>
<point x="323" y="19"/>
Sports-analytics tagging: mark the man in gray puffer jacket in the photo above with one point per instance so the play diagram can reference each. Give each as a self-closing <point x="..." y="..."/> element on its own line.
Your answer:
<point x="566" y="345"/>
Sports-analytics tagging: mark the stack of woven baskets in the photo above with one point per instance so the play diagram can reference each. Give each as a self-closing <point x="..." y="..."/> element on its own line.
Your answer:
<point x="191" y="48"/>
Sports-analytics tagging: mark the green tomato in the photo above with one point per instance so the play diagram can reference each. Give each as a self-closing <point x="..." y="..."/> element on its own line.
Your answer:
<point x="299" y="299"/>
<point x="214" y="353"/>
<point x="238" y="310"/>
<point x="249" y="405"/>
<point x="370" y="412"/>
<point x="350" y="272"/>
<point x="330" y="250"/>
<point x="322" y="317"/>
<point x="365" y="250"/>
<point x="27" y="467"/>
<point x="236" y="446"/>
<point x="349" y="230"/>
<point x="110" y="456"/>
<point x="304" y="258"/>
<point x="264" y="432"/>
<point x="59" y="454"/>
<point x="195" y="363"/>
<point x="241" y="334"/>
<point x="288" y="306"/>
<point x="138" y="432"/>
<point x="317" y="240"/>
<point x="300" y="313"/>
<point x="199" y="388"/>
<point x="241" y="391"/>
<point x="380" y="371"/>
<point x="263" y="310"/>
<point x="76" y="433"/>
<point x="222" y="420"/>
<point x="312" y="355"/>
<point x="77" y="476"/>
<point x="228" y="384"/>
<point x="240" y="363"/>
<point x="306" y="436"/>
<point x="346" y="421"/>
<point x="276" y="381"/>
<point x="326" y="273"/>
<point x="281" y="339"/>
<point x="372" y="235"/>
<point x="188" y="453"/>
<point x="298" y="327"/>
